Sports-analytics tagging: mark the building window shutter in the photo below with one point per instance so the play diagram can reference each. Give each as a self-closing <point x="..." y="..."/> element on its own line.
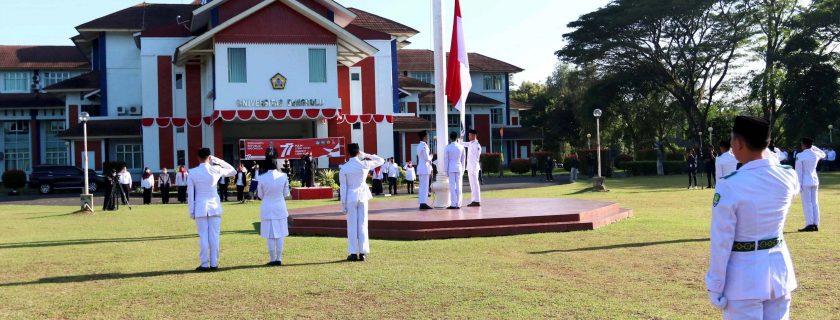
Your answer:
<point x="237" y="71"/>
<point x="317" y="65"/>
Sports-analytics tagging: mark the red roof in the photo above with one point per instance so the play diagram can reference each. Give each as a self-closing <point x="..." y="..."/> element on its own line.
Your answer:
<point x="422" y="60"/>
<point x="412" y="124"/>
<point x="42" y="57"/>
<point x="519" y="105"/>
<point x="371" y="21"/>
<point x="408" y="82"/>
<point x="144" y="16"/>
<point x="472" y="98"/>
<point x="87" y="81"/>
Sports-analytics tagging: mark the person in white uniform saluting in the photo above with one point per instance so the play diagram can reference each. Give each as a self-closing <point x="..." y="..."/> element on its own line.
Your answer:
<point x="355" y="195"/>
<point x="473" y="148"/>
<point x="806" y="169"/>
<point x="750" y="272"/>
<point x="725" y="163"/>
<point x="424" y="170"/>
<point x="454" y="159"/>
<point x="205" y="206"/>
<point x="273" y="188"/>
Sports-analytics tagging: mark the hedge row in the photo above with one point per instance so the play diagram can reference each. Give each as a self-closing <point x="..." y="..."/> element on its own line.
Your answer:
<point x="648" y="168"/>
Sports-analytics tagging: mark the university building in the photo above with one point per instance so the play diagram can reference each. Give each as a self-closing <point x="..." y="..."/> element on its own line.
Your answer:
<point x="162" y="80"/>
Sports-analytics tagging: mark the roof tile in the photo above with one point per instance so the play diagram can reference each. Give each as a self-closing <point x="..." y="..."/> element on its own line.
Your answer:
<point x="42" y="57"/>
<point x="423" y="60"/>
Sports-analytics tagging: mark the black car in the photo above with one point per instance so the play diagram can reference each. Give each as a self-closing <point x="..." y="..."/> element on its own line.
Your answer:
<point x="47" y="178"/>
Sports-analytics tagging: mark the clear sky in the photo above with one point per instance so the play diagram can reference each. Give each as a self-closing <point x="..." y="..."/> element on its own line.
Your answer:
<point x="524" y="33"/>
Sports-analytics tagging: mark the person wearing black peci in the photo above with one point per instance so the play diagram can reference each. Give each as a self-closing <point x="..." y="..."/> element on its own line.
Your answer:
<point x="691" y="166"/>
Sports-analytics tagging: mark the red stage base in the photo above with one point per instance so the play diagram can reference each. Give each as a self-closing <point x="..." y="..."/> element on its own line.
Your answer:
<point x="496" y="217"/>
<point x="312" y="193"/>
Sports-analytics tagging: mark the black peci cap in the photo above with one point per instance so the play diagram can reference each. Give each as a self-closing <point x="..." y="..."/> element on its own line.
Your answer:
<point x="754" y="129"/>
<point x="472" y="131"/>
<point x="203" y="153"/>
<point x="353" y="149"/>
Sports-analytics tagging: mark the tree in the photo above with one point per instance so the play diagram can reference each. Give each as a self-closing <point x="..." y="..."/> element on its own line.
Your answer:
<point x="686" y="47"/>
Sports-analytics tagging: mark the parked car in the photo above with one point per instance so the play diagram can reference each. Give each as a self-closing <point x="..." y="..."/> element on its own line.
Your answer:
<point x="47" y="178"/>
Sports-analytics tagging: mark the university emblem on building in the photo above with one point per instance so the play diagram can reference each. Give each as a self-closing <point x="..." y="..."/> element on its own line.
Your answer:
<point x="278" y="82"/>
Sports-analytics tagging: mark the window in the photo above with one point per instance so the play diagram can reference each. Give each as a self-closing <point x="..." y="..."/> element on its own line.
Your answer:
<point x="497" y="116"/>
<point x="93" y="110"/>
<point x="179" y="129"/>
<point x="131" y="154"/>
<point x="51" y="78"/>
<point x="357" y="126"/>
<point x="182" y="158"/>
<point x="427" y="77"/>
<point x="179" y="81"/>
<point x="354" y="76"/>
<point x="317" y="65"/>
<point x="56" y="148"/>
<point x="237" y="65"/>
<point x="493" y="82"/>
<point x="454" y="120"/>
<point x="16" y="141"/>
<point x="403" y="107"/>
<point x="16" y="81"/>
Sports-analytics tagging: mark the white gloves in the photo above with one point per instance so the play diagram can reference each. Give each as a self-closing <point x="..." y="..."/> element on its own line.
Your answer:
<point x="718" y="300"/>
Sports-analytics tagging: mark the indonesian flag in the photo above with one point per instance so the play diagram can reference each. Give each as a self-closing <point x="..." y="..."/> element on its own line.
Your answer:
<point x="458" y="81"/>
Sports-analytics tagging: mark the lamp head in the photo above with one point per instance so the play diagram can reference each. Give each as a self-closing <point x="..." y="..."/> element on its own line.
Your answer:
<point x="831" y="126"/>
<point x="84" y="117"/>
<point x="597" y="113"/>
<point x="711" y="129"/>
<point x="589" y="135"/>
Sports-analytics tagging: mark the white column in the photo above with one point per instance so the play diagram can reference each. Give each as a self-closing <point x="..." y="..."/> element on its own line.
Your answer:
<point x="321" y="131"/>
<point x="441" y="185"/>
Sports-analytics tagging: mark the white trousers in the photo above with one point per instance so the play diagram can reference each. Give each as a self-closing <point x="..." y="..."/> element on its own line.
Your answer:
<point x="423" y="193"/>
<point x="275" y="248"/>
<point x="456" y="179"/>
<point x="774" y="309"/>
<point x="208" y="240"/>
<point x="358" y="240"/>
<point x="811" y="205"/>
<point x="475" y="188"/>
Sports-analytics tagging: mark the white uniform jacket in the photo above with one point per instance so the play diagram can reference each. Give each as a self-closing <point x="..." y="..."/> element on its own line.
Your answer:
<point x="273" y="188"/>
<point x="806" y="166"/>
<point x="409" y="173"/>
<point x="202" y="194"/>
<point x="424" y="159"/>
<point x="148" y="183"/>
<point x="393" y="171"/>
<point x="750" y="206"/>
<point x="352" y="178"/>
<point x="473" y="155"/>
<point x="125" y="177"/>
<point x="454" y="158"/>
<point x="181" y="180"/>
<point x="725" y="164"/>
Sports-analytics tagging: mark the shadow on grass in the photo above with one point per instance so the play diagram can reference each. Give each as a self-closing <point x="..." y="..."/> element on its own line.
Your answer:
<point x="149" y="274"/>
<point x="72" y="242"/>
<point x="54" y="215"/>
<point x="621" y="246"/>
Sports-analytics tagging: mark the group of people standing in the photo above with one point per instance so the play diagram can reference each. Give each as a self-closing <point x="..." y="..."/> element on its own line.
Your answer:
<point x="118" y="187"/>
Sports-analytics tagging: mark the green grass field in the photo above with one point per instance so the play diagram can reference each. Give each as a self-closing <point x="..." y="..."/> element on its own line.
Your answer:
<point x="137" y="264"/>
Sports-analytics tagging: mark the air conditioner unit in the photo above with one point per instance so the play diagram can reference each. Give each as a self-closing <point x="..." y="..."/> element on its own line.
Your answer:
<point x="134" y="110"/>
<point x="121" y="111"/>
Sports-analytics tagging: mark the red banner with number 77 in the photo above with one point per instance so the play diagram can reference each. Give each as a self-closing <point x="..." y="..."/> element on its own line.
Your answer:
<point x="255" y="149"/>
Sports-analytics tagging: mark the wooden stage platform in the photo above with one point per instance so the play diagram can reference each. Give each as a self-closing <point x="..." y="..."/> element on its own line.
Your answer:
<point x="496" y="217"/>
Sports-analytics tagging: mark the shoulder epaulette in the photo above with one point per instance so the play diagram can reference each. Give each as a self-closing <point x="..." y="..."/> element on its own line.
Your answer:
<point x="784" y="166"/>
<point x="730" y="175"/>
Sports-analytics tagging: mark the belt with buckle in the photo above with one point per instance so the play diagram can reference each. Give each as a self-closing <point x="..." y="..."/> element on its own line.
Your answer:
<point x="748" y="246"/>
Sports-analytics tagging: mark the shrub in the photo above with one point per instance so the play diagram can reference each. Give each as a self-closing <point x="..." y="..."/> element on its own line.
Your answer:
<point x="326" y="178"/>
<point x="295" y="184"/>
<point x="520" y="166"/>
<point x="648" y="168"/>
<point x="491" y="162"/>
<point x="14" y="179"/>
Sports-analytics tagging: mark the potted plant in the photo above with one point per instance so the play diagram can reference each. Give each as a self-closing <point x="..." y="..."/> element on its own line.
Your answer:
<point x="14" y="179"/>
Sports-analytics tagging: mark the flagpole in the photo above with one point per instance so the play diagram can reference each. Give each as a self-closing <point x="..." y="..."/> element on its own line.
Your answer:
<point x="441" y="185"/>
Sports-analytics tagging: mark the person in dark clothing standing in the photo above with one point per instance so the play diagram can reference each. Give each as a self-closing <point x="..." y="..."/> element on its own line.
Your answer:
<point x="691" y="164"/>
<point x="240" y="180"/>
<point x="549" y="169"/>
<point x="534" y="166"/>
<point x="590" y="163"/>
<point x="164" y="184"/>
<point x="223" y="188"/>
<point x="113" y="192"/>
<point x="308" y="178"/>
<point x="709" y="162"/>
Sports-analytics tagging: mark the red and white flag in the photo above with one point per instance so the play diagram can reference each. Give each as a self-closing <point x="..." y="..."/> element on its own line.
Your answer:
<point x="458" y="81"/>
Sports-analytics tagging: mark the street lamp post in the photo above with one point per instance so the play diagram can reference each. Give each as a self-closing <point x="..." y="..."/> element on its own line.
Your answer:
<point x="711" y="141"/>
<point x="589" y="141"/>
<point x="86" y="198"/>
<point x="830" y="133"/>
<point x="598" y="184"/>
